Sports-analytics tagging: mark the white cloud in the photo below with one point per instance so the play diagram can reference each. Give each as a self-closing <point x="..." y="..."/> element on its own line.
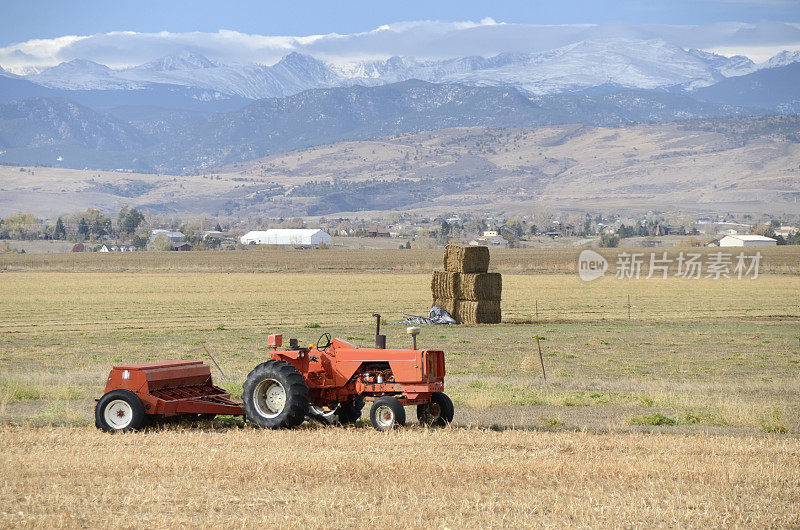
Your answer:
<point x="420" y="39"/>
<point x="758" y="54"/>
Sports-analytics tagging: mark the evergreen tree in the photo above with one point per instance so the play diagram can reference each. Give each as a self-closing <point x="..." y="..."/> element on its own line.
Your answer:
<point x="83" y="228"/>
<point x="60" y="232"/>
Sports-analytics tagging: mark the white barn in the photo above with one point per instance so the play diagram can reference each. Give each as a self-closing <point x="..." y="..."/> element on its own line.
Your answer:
<point x="747" y="241"/>
<point x="287" y="236"/>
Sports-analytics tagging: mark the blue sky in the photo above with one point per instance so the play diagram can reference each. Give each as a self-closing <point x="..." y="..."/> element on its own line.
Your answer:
<point x="32" y="19"/>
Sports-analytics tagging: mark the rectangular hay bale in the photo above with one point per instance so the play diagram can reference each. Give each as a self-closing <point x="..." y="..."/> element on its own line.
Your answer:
<point x="478" y="311"/>
<point x="480" y="286"/>
<point x="448" y="304"/>
<point x="444" y="284"/>
<point x="461" y="258"/>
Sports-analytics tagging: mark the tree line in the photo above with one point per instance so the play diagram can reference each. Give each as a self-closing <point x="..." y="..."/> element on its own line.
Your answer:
<point x="90" y="225"/>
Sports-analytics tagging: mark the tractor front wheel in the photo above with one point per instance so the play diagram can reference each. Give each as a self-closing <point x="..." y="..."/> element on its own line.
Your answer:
<point x="387" y="413"/>
<point x="275" y="396"/>
<point x="119" y="410"/>
<point x="436" y="413"/>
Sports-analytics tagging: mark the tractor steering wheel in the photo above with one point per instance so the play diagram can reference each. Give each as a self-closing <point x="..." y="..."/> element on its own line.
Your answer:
<point x="328" y="341"/>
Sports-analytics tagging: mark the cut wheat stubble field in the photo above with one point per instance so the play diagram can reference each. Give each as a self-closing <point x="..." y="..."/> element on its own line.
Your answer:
<point x="332" y="477"/>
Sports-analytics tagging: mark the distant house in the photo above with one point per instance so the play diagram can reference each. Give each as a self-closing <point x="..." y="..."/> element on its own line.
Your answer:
<point x="287" y="236"/>
<point x="747" y="241"/>
<point x="491" y="241"/>
<point x="115" y="248"/>
<point x="183" y="247"/>
<point x="652" y="243"/>
<point x="175" y="238"/>
<point x="785" y="231"/>
<point x="674" y="230"/>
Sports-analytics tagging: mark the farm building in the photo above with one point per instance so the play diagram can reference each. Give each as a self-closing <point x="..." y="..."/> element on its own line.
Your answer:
<point x="747" y="241"/>
<point x="786" y="231"/>
<point x="175" y="237"/>
<point x="489" y="241"/>
<point x="287" y="236"/>
<point x="115" y="248"/>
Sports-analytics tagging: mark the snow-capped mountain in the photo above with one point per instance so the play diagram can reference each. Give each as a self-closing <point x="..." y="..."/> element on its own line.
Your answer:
<point x="607" y="62"/>
<point x="185" y="61"/>
<point x="80" y="74"/>
<point x="783" y="59"/>
<point x="292" y="74"/>
<point x="648" y="64"/>
<point x="726" y="66"/>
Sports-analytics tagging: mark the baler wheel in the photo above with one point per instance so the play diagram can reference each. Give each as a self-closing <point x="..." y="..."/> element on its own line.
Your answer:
<point x="387" y="413"/>
<point x="275" y="395"/>
<point x="438" y="413"/>
<point x="119" y="410"/>
<point x="350" y="412"/>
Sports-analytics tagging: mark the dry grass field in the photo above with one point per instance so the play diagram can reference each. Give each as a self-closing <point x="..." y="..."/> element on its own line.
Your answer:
<point x="701" y="353"/>
<point x="686" y="414"/>
<point x="776" y="260"/>
<point x="338" y="478"/>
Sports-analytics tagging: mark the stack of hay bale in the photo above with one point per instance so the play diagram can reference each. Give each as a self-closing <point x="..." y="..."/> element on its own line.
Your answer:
<point x="465" y="288"/>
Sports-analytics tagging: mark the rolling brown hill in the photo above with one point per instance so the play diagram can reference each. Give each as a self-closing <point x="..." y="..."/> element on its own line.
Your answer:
<point x="735" y="164"/>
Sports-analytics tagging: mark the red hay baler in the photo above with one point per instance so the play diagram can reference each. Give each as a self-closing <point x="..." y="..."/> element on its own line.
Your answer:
<point x="328" y="381"/>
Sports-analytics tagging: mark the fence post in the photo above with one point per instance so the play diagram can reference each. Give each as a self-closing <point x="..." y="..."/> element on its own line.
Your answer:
<point x="629" y="307"/>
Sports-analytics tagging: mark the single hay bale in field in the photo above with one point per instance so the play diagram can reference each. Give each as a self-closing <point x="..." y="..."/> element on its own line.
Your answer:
<point x="479" y="286"/>
<point x="478" y="311"/>
<point x="530" y="363"/>
<point x="460" y="258"/>
<point x="448" y="304"/>
<point x="444" y="284"/>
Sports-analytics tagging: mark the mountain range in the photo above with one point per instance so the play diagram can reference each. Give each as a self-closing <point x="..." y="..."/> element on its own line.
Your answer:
<point x="57" y="131"/>
<point x="185" y="113"/>
<point x="648" y="64"/>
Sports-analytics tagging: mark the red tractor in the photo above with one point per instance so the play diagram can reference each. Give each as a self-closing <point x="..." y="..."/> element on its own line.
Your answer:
<point x="328" y="380"/>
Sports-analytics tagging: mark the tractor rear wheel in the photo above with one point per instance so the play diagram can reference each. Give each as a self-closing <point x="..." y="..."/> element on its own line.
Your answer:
<point x="438" y="412"/>
<point x="119" y="410"/>
<point x="387" y="413"/>
<point x="350" y="412"/>
<point x="275" y="395"/>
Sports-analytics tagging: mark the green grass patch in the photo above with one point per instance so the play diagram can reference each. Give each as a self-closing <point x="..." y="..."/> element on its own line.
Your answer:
<point x="57" y="413"/>
<point x="234" y="388"/>
<point x="14" y="390"/>
<point x="772" y="422"/>
<point x="652" y="419"/>
<point x="552" y="421"/>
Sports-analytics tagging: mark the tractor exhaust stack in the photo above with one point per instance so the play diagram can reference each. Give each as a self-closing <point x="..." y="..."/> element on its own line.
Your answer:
<point x="380" y="340"/>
